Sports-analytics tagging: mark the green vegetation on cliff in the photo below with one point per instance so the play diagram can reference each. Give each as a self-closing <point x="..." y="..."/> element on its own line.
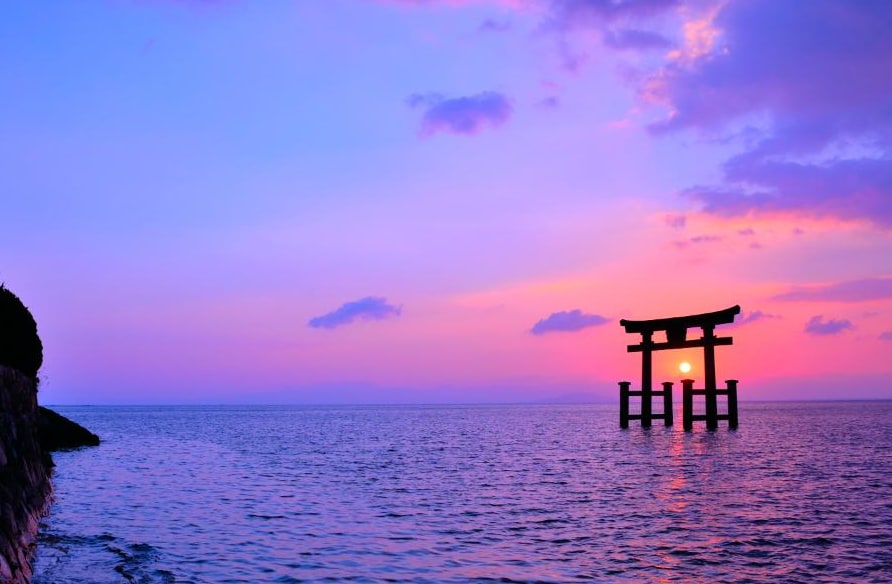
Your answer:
<point x="20" y="346"/>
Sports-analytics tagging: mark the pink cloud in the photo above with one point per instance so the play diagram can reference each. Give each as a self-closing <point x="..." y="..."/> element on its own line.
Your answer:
<point x="808" y="61"/>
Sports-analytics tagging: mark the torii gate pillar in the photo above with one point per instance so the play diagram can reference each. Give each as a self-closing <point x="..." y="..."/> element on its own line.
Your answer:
<point x="676" y="338"/>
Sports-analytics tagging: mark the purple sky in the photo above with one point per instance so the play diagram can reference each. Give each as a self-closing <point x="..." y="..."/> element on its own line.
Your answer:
<point x="444" y="200"/>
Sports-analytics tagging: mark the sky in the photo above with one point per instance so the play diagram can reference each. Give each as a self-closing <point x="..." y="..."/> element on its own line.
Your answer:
<point x="445" y="201"/>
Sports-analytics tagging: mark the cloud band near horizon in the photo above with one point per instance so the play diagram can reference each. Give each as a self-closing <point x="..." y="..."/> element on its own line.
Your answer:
<point x="848" y="291"/>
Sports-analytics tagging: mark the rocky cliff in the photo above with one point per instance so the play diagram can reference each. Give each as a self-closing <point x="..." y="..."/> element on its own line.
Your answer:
<point x="25" y="487"/>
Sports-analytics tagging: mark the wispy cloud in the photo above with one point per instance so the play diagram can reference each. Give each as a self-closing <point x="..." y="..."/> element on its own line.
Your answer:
<point x="886" y="336"/>
<point x="818" y="326"/>
<point x="567" y="321"/>
<point x="492" y="25"/>
<point x="676" y="221"/>
<point x="368" y="308"/>
<point x="635" y="39"/>
<point x="847" y="291"/>
<point x="697" y="239"/>
<point x="587" y="13"/>
<point x="755" y="316"/>
<point x="621" y="26"/>
<point x="461" y="115"/>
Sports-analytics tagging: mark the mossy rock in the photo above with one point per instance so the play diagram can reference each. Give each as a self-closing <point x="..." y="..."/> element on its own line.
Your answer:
<point x="20" y="346"/>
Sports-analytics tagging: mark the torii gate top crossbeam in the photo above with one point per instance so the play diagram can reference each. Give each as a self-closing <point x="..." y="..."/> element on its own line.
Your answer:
<point x="676" y="328"/>
<point x="725" y="316"/>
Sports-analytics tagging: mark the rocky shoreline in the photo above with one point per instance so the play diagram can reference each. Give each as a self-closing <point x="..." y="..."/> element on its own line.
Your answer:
<point x="25" y="470"/>
<point x="28" y="433"/>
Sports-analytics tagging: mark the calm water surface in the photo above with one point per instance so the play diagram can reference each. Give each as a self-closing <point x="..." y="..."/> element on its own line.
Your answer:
<point x="800" y="493"/>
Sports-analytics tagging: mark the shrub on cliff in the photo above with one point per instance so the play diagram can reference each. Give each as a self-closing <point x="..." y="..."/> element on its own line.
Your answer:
<point x="20" y="347"/>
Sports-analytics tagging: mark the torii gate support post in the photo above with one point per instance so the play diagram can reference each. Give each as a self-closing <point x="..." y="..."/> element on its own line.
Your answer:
<point x="667" y="403"/>
<point x="687" y="410"/>
<point x="646" y="379"/>
<point x="732" y="403"/>
<point x="712" y="410"/>
<point x="624" y="403"/>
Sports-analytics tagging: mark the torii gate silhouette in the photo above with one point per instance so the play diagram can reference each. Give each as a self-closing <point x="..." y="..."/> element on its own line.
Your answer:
<point x="676" y="338"/>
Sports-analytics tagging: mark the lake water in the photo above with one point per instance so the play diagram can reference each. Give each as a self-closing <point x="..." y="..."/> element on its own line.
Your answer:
<point x="801" y="492"/>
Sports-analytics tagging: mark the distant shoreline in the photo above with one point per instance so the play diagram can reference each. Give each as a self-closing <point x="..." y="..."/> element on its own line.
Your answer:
<point x="437" y="404"/>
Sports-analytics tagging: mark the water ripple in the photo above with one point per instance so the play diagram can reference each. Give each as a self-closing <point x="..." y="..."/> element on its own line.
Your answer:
<point x="551" y="494"/>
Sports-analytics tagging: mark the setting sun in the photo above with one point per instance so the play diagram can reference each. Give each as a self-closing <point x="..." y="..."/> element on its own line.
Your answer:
<point x="684" y="367"/>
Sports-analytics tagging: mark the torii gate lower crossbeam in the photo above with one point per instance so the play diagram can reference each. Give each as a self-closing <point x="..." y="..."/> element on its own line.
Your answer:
<point x="676" y="338"/>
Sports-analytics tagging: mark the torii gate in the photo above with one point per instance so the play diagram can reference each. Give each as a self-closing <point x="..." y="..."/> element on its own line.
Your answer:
<point x="676" y="338"/>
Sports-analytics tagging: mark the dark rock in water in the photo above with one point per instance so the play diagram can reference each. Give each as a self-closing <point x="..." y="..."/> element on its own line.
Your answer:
<point x="56" y="432"/>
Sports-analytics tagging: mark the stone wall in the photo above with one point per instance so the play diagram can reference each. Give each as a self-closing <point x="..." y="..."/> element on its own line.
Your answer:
<point x="25" y="487"/>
